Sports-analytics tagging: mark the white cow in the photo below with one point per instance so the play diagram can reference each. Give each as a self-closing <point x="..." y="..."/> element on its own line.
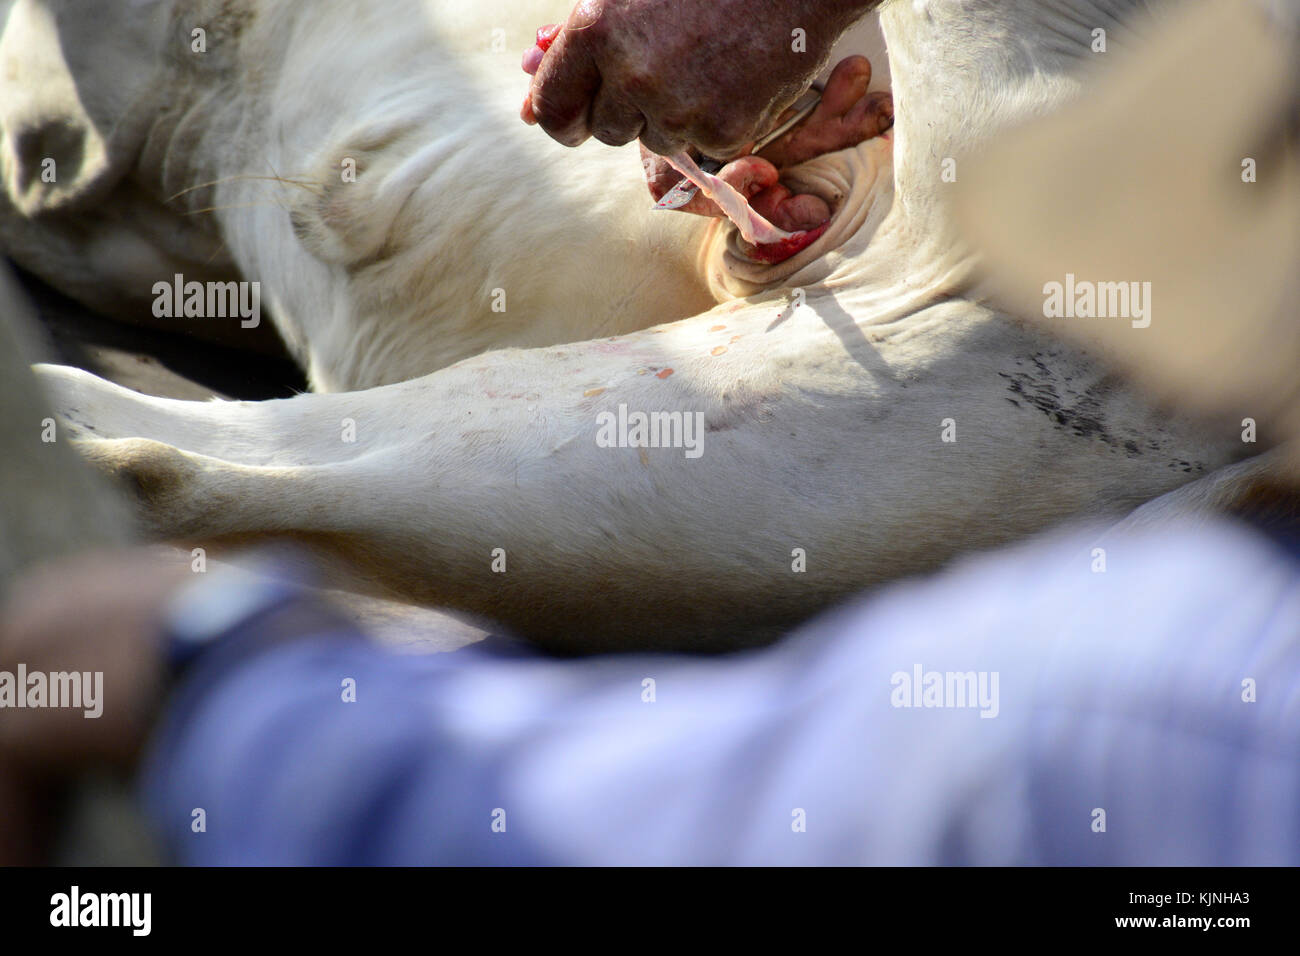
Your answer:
<point x="861" y="413"/>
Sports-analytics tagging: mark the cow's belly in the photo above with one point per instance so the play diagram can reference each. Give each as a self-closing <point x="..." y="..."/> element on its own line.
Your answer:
<point x="459" y="229"/>
<point x="466" y="230"/>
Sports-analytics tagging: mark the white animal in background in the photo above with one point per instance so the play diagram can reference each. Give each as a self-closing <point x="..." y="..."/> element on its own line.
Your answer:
<point x="864" y="414"/>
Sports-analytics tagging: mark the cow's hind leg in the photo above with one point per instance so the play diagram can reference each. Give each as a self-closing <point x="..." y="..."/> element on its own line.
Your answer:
<point x="200" y="469"/>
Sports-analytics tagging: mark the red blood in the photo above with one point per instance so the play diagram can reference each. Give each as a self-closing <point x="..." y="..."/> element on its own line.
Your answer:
<point x="773" y="252"/>
<point x="546" y="35"/>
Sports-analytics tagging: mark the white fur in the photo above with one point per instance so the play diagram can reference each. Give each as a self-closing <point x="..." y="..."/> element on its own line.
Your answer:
<point x="824" y="408"/>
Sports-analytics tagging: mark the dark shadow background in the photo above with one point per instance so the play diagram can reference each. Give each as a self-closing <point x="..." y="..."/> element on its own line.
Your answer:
<point x="166" y="364"/>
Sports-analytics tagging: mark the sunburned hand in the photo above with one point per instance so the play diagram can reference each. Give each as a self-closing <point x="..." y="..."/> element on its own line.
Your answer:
<point x="679" y="73"/>
<point x="846" y="116"/>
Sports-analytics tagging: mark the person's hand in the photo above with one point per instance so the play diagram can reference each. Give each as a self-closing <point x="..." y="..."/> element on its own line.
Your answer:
<point x="846" y="116"/>
<point x="95" y="613"/>
<point x="679" y="73"/>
